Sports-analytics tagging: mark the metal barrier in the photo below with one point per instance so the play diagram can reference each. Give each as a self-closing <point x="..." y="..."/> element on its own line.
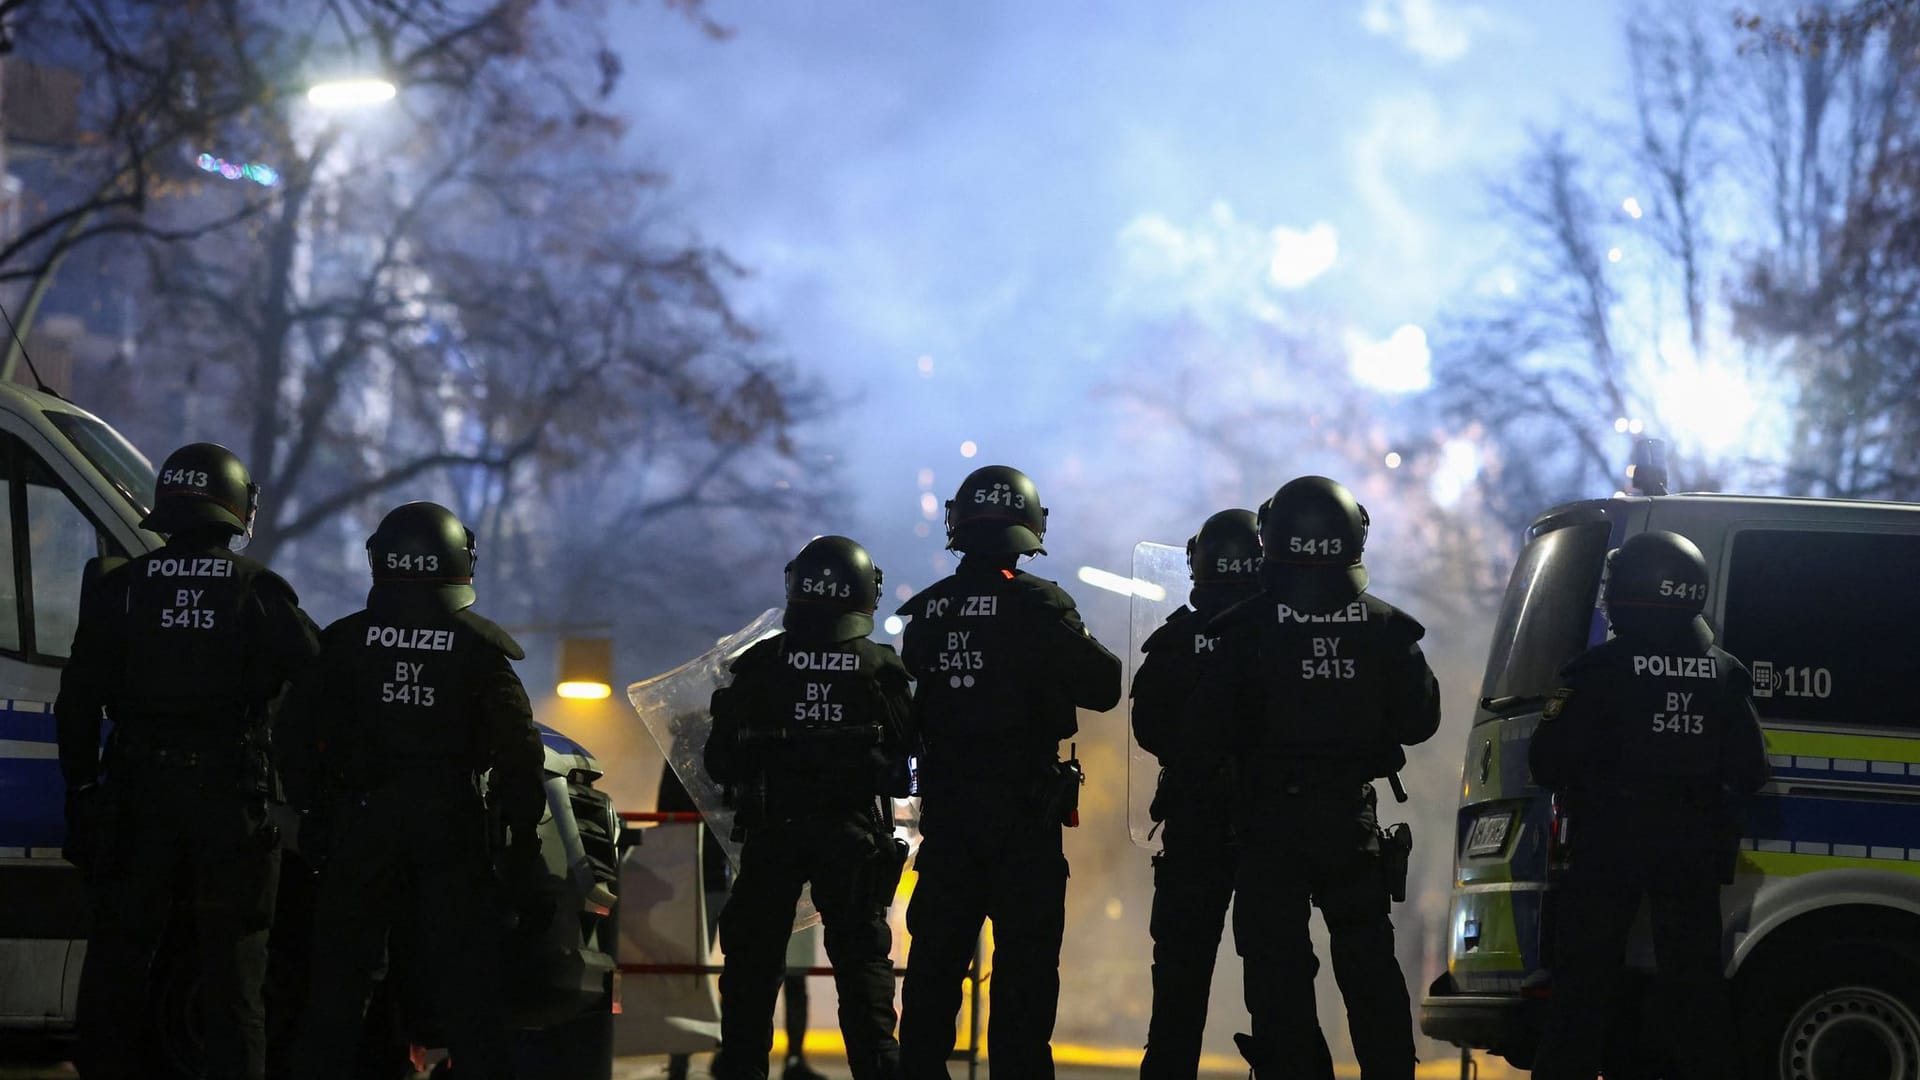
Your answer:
<point x="976" y="972"/>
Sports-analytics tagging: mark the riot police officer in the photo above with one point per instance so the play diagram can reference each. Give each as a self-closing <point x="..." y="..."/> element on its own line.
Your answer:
<point x="808" y="738"/>
<point x="1321" y="684"/>
<point x="1645" y="739"/>
<point x="385" y="741"/>
<point x="1193" y="872"/>
<point x="1002" y="661"/>
<point x="182" y="648"/>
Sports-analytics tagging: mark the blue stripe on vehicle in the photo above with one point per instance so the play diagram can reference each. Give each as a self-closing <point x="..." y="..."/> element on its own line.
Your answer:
<point x="1810" y="819"/>
<point x="32" y="792"/>
<point x="559" y="743"/>
<point x="34" y="726"/>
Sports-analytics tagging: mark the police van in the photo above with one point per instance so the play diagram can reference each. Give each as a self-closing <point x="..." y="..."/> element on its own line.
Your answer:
<point x="74" y="489"/>
<point x="1819" y="598"/>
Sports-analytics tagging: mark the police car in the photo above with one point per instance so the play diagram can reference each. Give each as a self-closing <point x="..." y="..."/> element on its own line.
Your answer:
<point x="75" y="489"/>
<point x="1822" y="922"/>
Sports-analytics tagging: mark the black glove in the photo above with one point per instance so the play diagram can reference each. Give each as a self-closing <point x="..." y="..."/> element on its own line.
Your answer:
<point x="85" y="806"/>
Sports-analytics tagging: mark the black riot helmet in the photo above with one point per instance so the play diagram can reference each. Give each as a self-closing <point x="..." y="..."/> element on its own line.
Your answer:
<point x="203" y="484"/>
<point x="1226" y="550"/>
<point x="997" y="511"/>
<point x="1312" y="533"/>
<point x="832" y="588"/>
<point x="1657" y="585"/>
<point x="423" y="545"/>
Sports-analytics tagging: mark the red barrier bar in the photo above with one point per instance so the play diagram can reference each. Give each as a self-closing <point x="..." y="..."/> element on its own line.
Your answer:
<point x="662" y="817"/>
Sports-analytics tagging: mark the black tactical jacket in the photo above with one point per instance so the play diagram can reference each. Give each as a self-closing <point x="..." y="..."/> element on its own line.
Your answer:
<point x="405" y="689"/>
<point x="1646" y="740"/>
<point x="823" y="724"/>
<point x="183" y="647"/>
<point x="1001" y="661"/>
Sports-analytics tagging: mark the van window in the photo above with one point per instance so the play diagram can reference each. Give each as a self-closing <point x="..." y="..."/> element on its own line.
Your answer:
<point x="1547" y="617"/>
<point x="48" y="540"/>
<point x="1825" y="622"/>
<point x="130" y="473"/>
<point x="60" y="540"/>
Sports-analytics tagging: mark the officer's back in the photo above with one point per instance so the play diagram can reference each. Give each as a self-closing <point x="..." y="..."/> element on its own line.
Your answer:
<point x="1317" y="686"/>
<point x="1644" y="740"/>
<point x="1003" y="662"/>
<point x="1650" y="730"/>
<point x="182" y="648"/>
<point x="385" y="740"/>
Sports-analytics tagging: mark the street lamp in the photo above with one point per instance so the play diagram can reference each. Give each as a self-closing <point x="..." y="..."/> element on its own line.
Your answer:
<point x="586" y="668"/>
<point x="350" y="93"/>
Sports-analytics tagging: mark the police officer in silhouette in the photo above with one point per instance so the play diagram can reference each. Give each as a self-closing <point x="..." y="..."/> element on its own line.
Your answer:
<point x="1002" y="661"/>
<point x="1316" y="685"/>
<point x="182" y="649"/>
<point x="1193" y="872"/>
<point x="809" y="738"/>
<point x="1646" y="741"/>
<point x="386" y="740"/>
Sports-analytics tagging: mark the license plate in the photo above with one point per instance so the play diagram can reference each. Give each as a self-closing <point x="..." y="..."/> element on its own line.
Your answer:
<point x="1489" y="834"/>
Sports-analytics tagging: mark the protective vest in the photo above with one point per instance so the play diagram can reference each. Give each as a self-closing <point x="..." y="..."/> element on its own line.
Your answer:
<point x="411" y="683"/>
<point x="1336" y="687"/>
<point x="1644" y="740"/>
<point x="1001" y="661"/>
<point x="812" y="721"/>
<point x="192" y="638"/>
<point x="1656" y="719"/>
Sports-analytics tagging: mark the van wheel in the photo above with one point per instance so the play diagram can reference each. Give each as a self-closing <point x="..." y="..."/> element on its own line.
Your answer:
<point x="1851" y="1013"/>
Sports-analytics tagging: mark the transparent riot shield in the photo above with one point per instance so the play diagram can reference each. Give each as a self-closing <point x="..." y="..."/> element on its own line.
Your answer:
<point x="673" y="706"/>
<point x="1160" y="586"/>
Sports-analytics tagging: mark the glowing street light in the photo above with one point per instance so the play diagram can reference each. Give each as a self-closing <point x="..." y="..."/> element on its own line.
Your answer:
<point x="350" y="93"/>
<point x="586" y="669"/>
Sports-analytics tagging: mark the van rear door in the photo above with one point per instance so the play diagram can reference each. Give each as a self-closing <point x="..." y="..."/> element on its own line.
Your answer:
<point x="1504" y="830"/>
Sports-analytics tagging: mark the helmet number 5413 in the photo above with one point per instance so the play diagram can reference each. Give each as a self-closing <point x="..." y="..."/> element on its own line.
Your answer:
<point x="401" y="561"/>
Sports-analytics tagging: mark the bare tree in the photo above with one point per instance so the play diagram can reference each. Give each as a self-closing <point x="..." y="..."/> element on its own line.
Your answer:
<point x="467" y="293"/>
<point x="1835" y="295"/>
<point x="1737" y="241"/>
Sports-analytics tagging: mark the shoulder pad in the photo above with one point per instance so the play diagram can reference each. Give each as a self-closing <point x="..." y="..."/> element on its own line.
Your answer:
<point x="272" y="584"/>
<point x="1730" y="663"/>
<point x="1395" y="623"/>
<point x="1588" y="660"/>
<point x="916" y="605"/>
<point x="491" y="633"/>
<point x="760" y="655"/>
<point x="1175" y="627"/>
<point x="1241" y="614"/>
<point x="886" y="662"/>
<point x="1048" y="593"/>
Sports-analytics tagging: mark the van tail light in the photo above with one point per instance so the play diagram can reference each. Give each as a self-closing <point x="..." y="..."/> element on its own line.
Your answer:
<point x="614" y="997"/>
<point x="1559" y="834"/>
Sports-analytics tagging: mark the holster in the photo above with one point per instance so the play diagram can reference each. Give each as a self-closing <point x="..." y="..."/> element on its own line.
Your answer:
<point x="1396" y="852"/>
<point x="889" y="862"/>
